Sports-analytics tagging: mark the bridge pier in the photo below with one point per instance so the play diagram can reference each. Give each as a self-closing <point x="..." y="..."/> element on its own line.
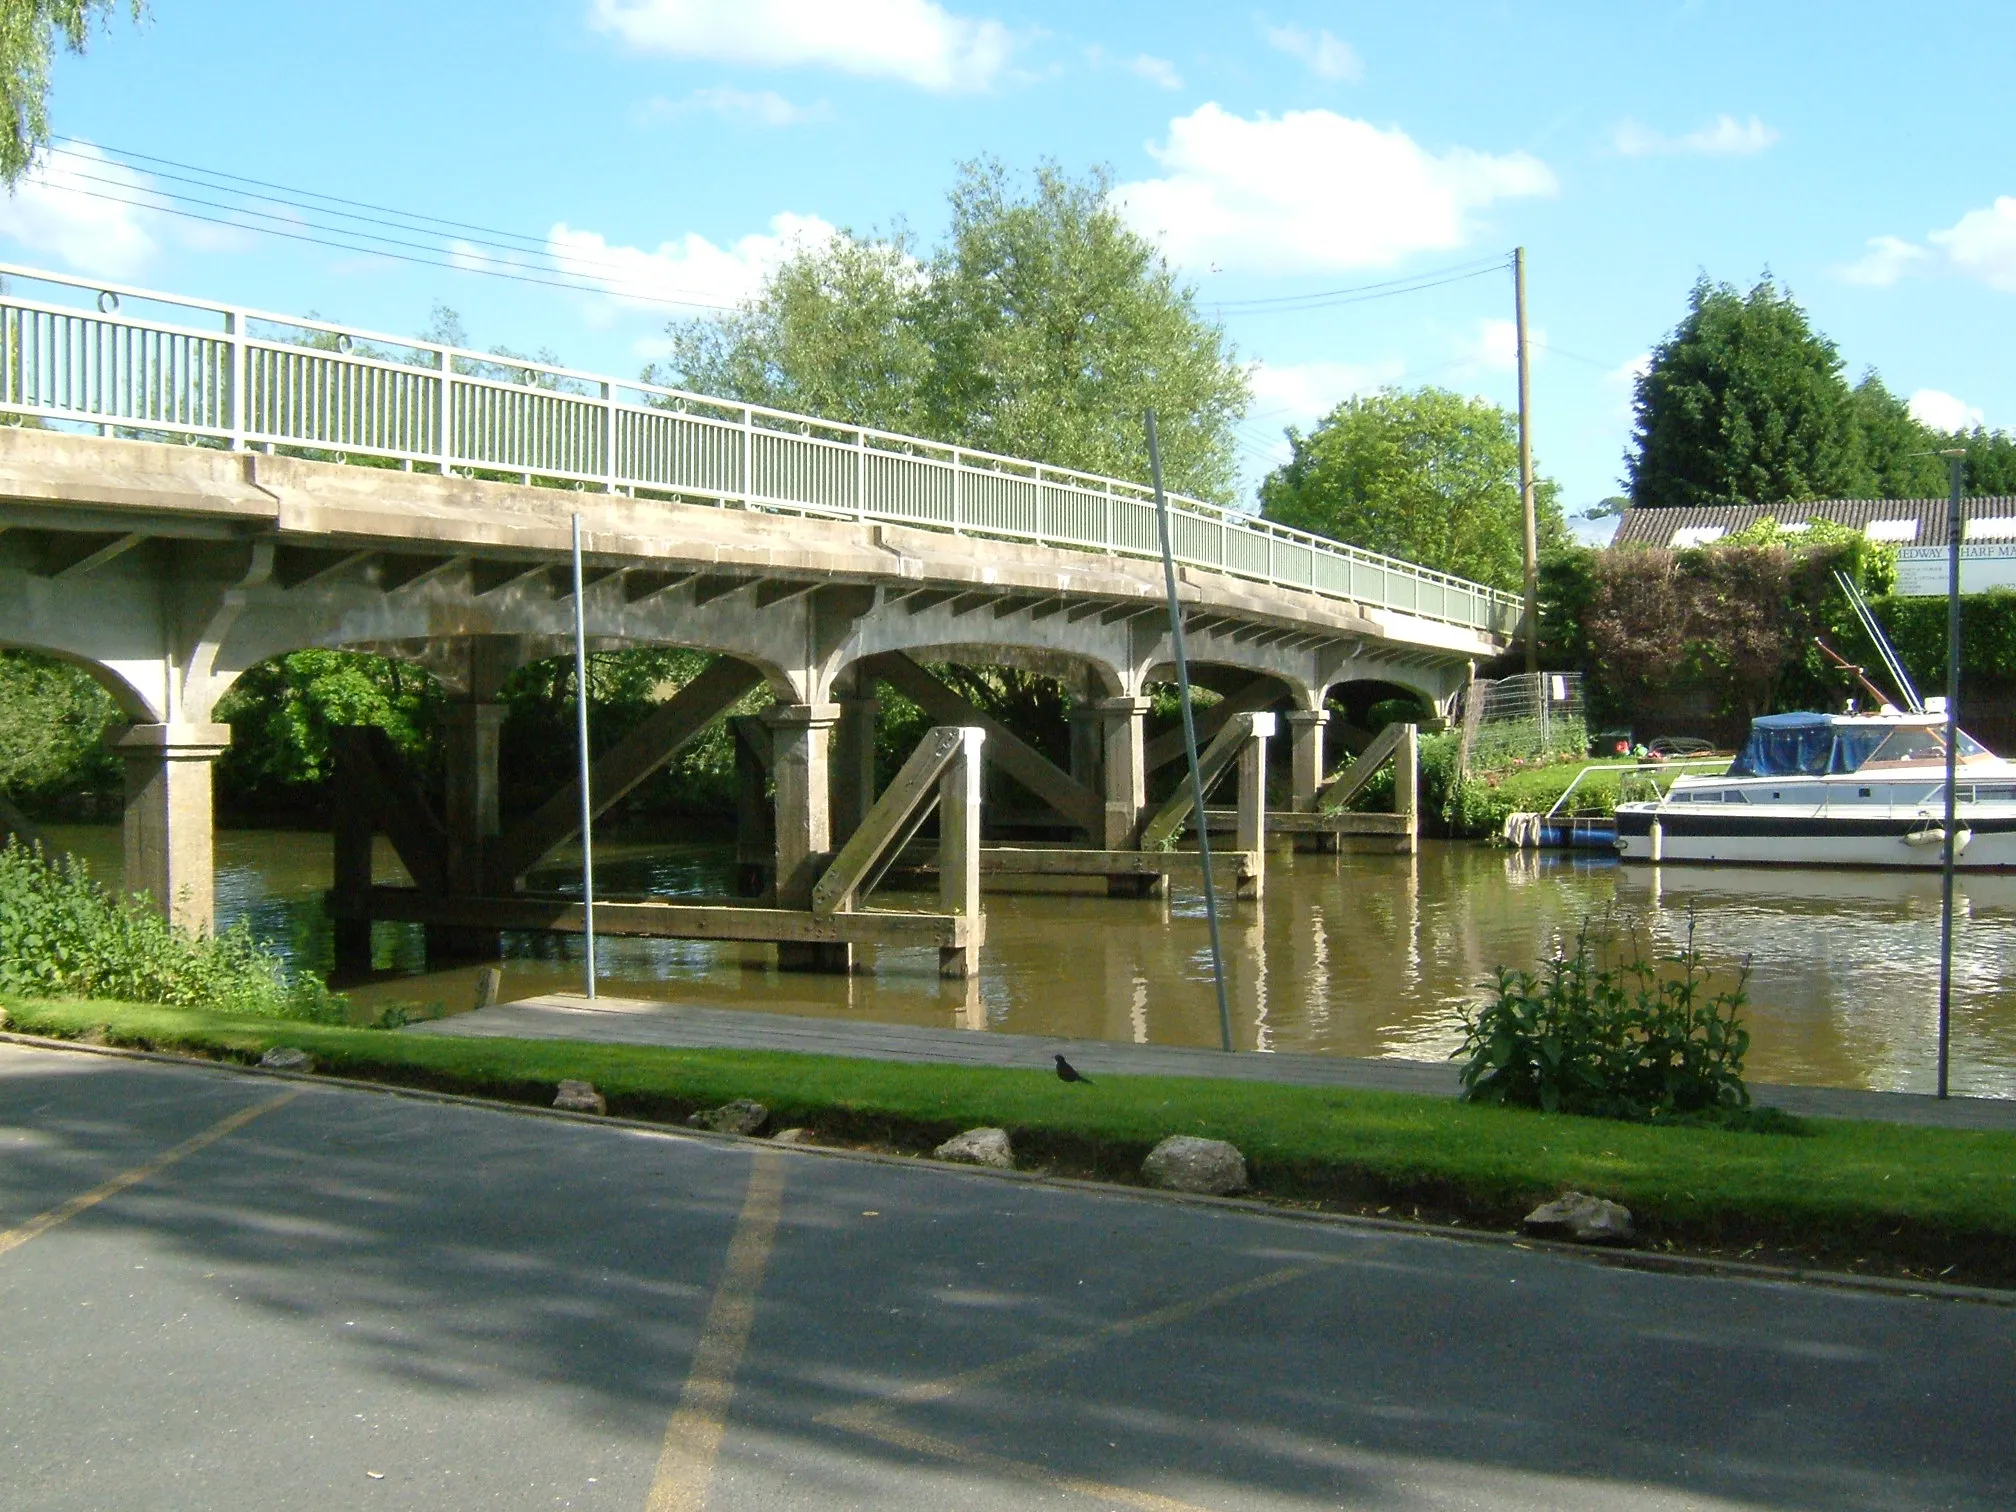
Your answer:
<point x="1305" y="750"/>
<point x="853" y="759"/>
<point x="799" y="740"/>
<point x="469" y="749"/>
<point x="170" y="820"/>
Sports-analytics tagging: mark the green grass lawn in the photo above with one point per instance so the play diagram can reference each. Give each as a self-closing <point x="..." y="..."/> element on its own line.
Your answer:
<point x="1903" y="1200"/>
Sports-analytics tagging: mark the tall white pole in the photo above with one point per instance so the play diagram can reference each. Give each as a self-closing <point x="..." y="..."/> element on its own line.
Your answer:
<point x="1526" y="506"/>
<point x="581" y="732"/>
<point x="1190" y="736"/>
<point x="1955" y="460"/>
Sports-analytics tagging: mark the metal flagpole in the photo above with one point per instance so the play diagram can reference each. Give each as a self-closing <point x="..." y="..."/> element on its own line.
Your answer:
<point x="581" y="732"/>
<point x="1190" y="735"/>
<point x="1954" y="461"/>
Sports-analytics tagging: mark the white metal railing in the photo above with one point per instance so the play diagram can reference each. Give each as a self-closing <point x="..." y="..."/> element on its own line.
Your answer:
<point x="225" y="376"/>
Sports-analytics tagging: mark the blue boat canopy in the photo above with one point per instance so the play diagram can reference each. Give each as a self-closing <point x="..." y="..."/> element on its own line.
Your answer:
<point x="1787" y="745"/>
<point x="1813" y="745"/>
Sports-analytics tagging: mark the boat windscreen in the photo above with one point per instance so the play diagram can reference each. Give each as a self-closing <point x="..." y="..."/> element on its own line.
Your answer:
<point x="1783" y="747"/>
<point x="1921" y="744"/>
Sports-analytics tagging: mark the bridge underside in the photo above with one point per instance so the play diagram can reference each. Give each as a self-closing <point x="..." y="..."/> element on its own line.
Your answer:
<point x="170" y="570"/>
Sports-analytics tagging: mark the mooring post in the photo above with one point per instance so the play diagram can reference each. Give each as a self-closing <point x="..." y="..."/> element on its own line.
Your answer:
<point x="799" y="736"/>
<point x="169" y="823"/>
<point x="1407" y="785"/>
<point x="959" y="849"/>
<point x="1252" y="813"/>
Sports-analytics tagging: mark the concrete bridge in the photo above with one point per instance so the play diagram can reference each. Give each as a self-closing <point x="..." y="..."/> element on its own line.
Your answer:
<point x="189" y="490"/>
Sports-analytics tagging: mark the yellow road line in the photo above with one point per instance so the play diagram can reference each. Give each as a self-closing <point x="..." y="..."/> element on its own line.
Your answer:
<point x="693" y="1436"/>
<point x="14" y="1238"/>
<point x="977" y="1459"/>
<point x="870" y="1419"/>
<point x="859" y="1418"/>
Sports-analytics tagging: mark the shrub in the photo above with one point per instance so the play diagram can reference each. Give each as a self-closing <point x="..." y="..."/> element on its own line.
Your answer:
<point x="62" y="934"/>
<point x="1630" y="1038"/>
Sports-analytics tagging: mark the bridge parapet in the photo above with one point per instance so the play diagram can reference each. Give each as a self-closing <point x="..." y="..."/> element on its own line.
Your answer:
<point x="73" y="354"/>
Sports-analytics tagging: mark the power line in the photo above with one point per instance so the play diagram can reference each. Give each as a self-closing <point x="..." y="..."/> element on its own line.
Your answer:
<point x="1291" y="304"/>
<point x="574" y="271"/>
<point x="487" y="271"/>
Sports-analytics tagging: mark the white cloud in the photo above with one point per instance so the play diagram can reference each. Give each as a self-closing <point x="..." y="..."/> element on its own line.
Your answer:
<point x="1326" y="56"/>
<point x="63" y="207"/>
<point x="762" y="107"/>
<point x="689" y="270"/>
<point x="1982" y="244"/>
<point x="1725" y="136"/>
<point x="1313" y="191"/>
<point x="1494" y="346"/>
<point x="1301" y="393"/>
<point x="1155" y="70"/>
<point x="1943" y="412"/>
<point x="916" y="41"/>
<point x="1888" y="259"/>
<point x="1622" y="381"/>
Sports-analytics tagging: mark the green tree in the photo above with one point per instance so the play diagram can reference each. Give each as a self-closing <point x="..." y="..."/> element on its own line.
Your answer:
<point x="1745" y="402"/>
<point x="1422" y="474"/>
<point x="1991" y="462"/>
<point x="1895" y="447"/>
<point x="282" y="710"/>
<point x="29" y="32"/>
<point x="1041" y="328"/>
<point x="51" y="717"/>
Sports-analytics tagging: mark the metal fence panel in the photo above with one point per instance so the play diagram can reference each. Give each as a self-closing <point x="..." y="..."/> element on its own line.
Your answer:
<point x="339" y="390"/>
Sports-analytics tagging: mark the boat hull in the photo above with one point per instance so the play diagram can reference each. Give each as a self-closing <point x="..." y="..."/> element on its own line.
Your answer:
<point x="1759" y="836"/>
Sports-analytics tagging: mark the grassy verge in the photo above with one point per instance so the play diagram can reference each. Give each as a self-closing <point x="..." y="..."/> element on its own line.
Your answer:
<point x="1885" y="1198"/>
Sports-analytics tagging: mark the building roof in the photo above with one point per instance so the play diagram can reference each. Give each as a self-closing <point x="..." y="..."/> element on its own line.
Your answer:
<point x="1894" y="522"/>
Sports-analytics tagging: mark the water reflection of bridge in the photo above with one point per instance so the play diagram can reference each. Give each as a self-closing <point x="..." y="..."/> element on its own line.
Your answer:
<point x="192" y="489"/>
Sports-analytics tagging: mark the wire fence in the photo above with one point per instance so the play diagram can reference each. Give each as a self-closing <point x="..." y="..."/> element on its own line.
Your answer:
<point x="1529" y="717"/>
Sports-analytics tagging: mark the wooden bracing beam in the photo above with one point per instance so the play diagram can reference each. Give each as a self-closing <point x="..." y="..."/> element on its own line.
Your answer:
<point x="1218" y="758"/>
<point x="669" y="729"/>
<point x="1347" y="784"/>
<point x="376" y="793"/>
<point x="1008" y="751"/>
<point x="1256" y="695"/>
<point x="946" y="761"/>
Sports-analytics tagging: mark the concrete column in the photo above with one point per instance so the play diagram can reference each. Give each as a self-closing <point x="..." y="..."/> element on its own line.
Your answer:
<point x="469" y="745"/>
<point x="1252" y="811"/>
<point x="1126" y="771"/>
<point x="799" y="735"/>
<point x="170" y="820"/>
<point x="1305" y="750"/>
<point x="854" y="761"/>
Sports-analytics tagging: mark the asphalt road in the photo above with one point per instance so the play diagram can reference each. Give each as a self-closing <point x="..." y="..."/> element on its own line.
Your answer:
<point x="210" y="1299"/>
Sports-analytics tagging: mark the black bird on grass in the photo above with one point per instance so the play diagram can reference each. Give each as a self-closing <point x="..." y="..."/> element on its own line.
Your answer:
<point x="1068" y="1072"/>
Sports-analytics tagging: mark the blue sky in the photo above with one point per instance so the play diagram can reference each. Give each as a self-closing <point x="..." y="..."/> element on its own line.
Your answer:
<point x="671" y="149"/>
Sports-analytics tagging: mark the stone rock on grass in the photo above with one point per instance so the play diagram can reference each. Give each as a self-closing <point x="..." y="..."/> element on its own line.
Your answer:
<point x="580" y="1097"/>
<point x="792" y="1136"/>
<point x="741" y="1116"/>
<point x="986" y="1147"/>
<point x="1581" y="1219"/>
<point x="287" y="1058"/>
<point x="1185" y="1163"/>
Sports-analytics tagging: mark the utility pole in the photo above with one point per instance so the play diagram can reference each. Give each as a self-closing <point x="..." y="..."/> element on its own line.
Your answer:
<point x="1526" y="466"/>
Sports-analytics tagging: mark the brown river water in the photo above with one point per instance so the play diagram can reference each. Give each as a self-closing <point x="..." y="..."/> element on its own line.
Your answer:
<point x="1357" y="955"/>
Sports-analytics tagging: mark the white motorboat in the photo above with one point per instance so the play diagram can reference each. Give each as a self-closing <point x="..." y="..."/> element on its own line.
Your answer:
<point x="1835" y="790"/>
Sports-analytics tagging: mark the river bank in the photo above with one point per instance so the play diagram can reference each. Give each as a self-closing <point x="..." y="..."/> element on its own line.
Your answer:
<point x="1887" y="1199"/>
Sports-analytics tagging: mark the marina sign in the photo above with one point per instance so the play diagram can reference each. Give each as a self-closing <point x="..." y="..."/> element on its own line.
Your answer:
<point x="1921" y="570"/>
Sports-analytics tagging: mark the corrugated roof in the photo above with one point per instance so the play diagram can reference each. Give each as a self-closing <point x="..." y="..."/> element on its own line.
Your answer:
<point x="1655" y="527"/>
